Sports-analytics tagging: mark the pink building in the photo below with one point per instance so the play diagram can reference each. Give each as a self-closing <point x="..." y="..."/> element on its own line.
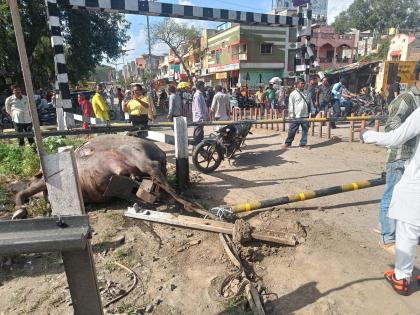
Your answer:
<point x="332" y="50"/>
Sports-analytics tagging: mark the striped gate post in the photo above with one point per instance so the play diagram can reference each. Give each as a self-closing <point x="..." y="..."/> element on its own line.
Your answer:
<point x="62" y="80"/>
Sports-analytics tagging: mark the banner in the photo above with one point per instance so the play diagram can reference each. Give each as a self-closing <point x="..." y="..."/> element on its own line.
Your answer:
<point x="297" y="3"/>
<point x="221" y="75"/>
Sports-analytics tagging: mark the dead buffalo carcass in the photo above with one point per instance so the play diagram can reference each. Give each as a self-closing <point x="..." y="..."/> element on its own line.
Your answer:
<point x="105" y="156"/>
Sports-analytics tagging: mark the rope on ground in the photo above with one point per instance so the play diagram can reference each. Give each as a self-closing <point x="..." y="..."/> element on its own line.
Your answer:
<point x="133" y="285"/>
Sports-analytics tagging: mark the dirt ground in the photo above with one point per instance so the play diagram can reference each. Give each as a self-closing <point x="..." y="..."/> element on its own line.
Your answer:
<point x="338" y="270"/>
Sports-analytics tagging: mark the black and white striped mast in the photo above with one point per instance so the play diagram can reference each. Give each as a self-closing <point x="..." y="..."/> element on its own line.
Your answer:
<point x="307" y="58"/>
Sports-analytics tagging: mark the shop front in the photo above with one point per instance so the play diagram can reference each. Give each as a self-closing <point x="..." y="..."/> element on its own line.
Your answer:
<point x="258" y="77"/>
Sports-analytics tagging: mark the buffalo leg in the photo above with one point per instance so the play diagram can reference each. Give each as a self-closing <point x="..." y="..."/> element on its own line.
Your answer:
<point x="35" y="187"/>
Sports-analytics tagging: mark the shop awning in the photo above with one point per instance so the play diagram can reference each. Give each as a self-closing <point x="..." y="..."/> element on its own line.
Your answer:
<point x="395" y="53"/>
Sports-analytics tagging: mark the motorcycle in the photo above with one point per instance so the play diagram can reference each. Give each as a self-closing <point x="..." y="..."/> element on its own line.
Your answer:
<point x="47" y="115"/>
<point x="228" y="140"/>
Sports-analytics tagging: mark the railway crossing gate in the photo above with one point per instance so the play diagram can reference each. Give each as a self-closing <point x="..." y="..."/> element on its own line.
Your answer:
<point x="302" y="22"/>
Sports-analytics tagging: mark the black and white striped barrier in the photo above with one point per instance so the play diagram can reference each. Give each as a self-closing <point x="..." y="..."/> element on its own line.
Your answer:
<point x="183" y="11"/>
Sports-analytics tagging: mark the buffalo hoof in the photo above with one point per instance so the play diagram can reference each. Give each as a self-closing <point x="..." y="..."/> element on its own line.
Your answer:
<point x="21" y="213"/>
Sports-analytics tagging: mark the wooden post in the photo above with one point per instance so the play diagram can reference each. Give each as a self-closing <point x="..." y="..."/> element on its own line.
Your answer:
<point x="377" y="123"/>
<point x="363" y="123"/>
<point x="351" y="129"/>
<point x="271" y="117"/>
<point x="328" y="126"/>
<point x="283" y="128"/>
<point x="266" y="117"/>
<point x="181" y="153"/>
<point x="312" y="128"/>
<point x="276" y="113"/>
<point x="320" y="125"/>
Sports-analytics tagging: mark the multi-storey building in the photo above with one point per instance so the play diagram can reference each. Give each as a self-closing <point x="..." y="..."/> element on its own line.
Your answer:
<point x="245" y="54"/>
<point x="331" y="49"/>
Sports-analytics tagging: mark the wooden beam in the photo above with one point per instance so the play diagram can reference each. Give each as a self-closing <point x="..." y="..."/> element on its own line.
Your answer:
<point x="208" y="225"/>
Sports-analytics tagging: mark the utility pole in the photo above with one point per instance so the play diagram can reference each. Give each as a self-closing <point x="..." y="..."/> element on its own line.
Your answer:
<point x="150" y="56"/>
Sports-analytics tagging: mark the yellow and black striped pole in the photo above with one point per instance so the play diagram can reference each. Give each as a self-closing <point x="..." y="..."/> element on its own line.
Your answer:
<point x="230" y="211"/>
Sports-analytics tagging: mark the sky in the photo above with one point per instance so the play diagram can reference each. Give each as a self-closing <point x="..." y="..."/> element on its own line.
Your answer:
<point x="138" y="42"/>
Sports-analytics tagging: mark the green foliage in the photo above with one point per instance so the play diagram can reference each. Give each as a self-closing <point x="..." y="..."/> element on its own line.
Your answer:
<point x="179" y="37"/>
<point x="100" y="74"/>
<point x="381" y="54"/>
<point x="5" y="197"/>
<point x="378" y="15"/>
<point x="18" y="161"/>
<point x="89" y="36"/>
<point x="236" y="306"/>
<point x="23" y="161"/>
<point x="128" y="309"/>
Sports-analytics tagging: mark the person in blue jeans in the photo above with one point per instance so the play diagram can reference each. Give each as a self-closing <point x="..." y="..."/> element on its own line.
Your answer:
<point x="399" y="110"/>
<point x="300" y="105"/>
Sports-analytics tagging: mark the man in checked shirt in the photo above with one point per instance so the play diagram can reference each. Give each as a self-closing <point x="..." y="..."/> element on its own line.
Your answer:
<point x="399" y="110"/>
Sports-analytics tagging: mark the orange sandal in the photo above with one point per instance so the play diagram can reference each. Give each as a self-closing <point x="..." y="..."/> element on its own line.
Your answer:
<point x="399" y="286"/>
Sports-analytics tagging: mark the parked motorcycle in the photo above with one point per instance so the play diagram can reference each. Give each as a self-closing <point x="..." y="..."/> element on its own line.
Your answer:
<point x="228" y="140"/>
<point x="47" y="115"/>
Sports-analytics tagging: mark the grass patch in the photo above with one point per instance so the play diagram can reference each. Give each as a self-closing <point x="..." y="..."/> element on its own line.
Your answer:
<point x="6" y="198"/>
<point x="126" y="256"/>
<point x="126" y="308"/>
<point x="24" y="161"/>
<point x="236" y="306"/>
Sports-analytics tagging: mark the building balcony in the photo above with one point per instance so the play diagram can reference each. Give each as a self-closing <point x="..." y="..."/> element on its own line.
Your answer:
<point x="239" y="57"/>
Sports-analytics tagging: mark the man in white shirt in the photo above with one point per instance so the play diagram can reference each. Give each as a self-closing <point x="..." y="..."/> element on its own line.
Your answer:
<point x="220" y="106"/>
<point x="299" y="107"/>
<point x="405" y="200"/>
<point x="17" y="106"/>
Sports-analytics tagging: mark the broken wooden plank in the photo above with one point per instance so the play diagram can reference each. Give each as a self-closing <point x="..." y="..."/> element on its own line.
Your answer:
<point x="207" y="225"/>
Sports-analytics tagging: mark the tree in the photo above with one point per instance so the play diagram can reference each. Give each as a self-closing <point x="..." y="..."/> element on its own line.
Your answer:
<point x="378" y="15"/>
<point x="90" y="37"/>
<point x="101" y="73"/>
<point x="179" y="37"/>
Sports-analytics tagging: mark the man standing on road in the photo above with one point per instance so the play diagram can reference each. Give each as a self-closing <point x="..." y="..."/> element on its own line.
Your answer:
<point x="175" y="103"/>
<point x="394" y="90"/>
<point x="199" y="112"/>
<point x="405" y="202"/>
<point x="100" y="107"/>
<point x="219" y="107"/>
<point x="260" y="98"/>
<point x="271" y="96"/>
<point x="324" y="96"/>
<point x="17" y="106"/>
<point x="299" y="105"/>
<point x="313" y="91"/>
<point x="399" y="110"/>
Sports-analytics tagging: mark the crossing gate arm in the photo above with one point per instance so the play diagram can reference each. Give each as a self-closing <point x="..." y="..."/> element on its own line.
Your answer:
<point x="229" y="212"/>
<point x="183" y="11"/>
